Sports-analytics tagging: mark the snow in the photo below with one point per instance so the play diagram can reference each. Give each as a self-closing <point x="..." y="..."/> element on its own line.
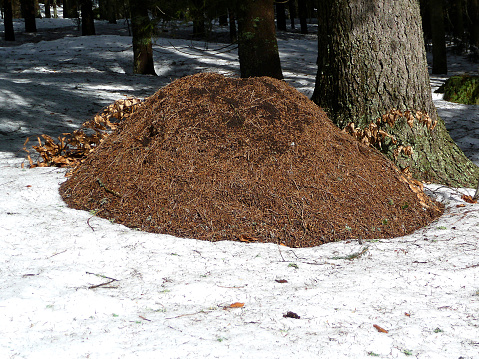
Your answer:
<point x="169" y="297"/>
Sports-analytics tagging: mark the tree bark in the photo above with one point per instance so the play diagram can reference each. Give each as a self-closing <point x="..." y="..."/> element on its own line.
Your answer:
<point x="439" y="55"/>
<point x="141" y="30"/>
<point x="28" y="13"/>
<point x="8" y="20"/>
<point x="87" y="18"/>
<point x="371" y="59"/>
<point x="257" y="45"/>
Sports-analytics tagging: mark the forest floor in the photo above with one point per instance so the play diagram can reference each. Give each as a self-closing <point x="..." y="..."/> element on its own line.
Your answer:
<point x="73" y="285"/>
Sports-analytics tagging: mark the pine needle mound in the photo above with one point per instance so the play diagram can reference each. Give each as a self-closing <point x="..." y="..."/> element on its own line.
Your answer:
<point x="216" y="158"/>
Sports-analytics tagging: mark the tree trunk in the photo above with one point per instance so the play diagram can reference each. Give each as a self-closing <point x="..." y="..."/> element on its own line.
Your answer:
<point x="257" y="45"/>
<point x="8" y="20"/>
<point x="280" y="16"/>
<point x="232" y="21"/>
<point x="28" y="13"/>
<point x="198" y="14"/>
<point x="303" y="16"/>
<point x="87" y="18"/>
<point x="141" y="30"/>
<point x="371" y="60"/>
<point x="457" y="18"/>
<point x="474" y="24"/>
<point x="48" y="13"/>
<point x="70" y="9"/>
<point x="292" y="13"/>
<point x="439" y="55"/>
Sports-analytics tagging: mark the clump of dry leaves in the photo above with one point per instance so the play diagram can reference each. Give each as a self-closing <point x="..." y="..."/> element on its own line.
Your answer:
<point x="72" y="148"/>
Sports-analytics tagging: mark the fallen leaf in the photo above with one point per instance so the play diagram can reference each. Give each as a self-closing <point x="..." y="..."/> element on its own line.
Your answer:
<point x="460" y="205"/>
<point x="379" y="329"/>
<point x="468" y="199"/>
<point x="291" y="315"/>
<point x="407" y="314"/>
<point x="235" y="305"/>
<point x="281" y="280"/>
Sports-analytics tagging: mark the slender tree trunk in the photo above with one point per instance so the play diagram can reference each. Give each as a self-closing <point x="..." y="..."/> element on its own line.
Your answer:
<point x="8" y="20"/>
<point x="257" y="45"/>
<point x="371" y="60"/>
<point x="28" y="13"/>
<point x="280" y="16"/>
<point x="439" y="55"/>
<point x="473" y="10"/>
<point x="292" y="13"/>
<point x="303" y="16"/>
<point x="198" y="14"/>
<point x="48" y="13"/>
<point x="142" y="30"/>
<point x="111" y="11"/>
<point x="457" y="18"/>
<point x="87" y="18"/>
<point x="232" y="21"/>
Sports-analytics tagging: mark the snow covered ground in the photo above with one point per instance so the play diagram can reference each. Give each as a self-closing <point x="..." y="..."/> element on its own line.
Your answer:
<point x="76" y="286"/>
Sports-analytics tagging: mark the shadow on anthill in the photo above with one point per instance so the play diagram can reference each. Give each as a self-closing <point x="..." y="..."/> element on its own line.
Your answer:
<point x="216" y="158"/>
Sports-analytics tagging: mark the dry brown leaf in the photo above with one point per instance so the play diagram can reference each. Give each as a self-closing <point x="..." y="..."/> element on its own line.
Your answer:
<point x="379" y="329"/>
<point x="235" y="305"/>
<point x="468" y="199"/>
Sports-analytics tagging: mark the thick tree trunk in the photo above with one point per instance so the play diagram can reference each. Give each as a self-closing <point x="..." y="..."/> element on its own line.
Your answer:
<point x="371" y="60"/>
<point x="142" y="47"/>
<point x="257" y="45"/>
<point x="303" y="16"/>
<point x="280" y="16"/>
<point x="439" y="55"/>
<point x="8" y="20"/>
<point x="87" y="18"/>
<point x="28" y="13"/>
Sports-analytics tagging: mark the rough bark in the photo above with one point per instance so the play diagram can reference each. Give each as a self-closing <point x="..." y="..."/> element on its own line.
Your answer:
<point x="257" y="45"/>
<point x="87" y="18"/>
<point x="28" y="13"/>
<point x="8" y="20"/>
<point x="141" y="30"/>
<point x="371" y="59"/>
<point x="439" y="55"/>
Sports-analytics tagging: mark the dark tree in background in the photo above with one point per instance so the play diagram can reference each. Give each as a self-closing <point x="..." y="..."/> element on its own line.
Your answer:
<point x="70" y="9"/>
<point x="257" y="45"/>
<point x="280" y="15"/>
<point x="47" y="9"/>
<point x="8" y="20"/>
<point x="28" y="13"/>
<point x="142" y="29"/>
<point x="473" y="11"/>
<point x="87" y="18"/>
<point x="303" y="16"/>
<point x="371" y="59"/>
<point x="438" y="32"/>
